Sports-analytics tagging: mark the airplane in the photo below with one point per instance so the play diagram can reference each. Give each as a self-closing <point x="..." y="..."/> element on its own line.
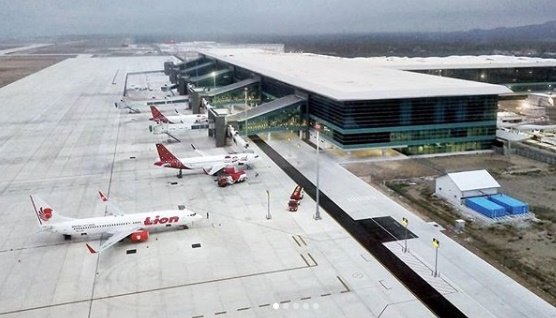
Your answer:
<point x="139" y="105"/>
<point x="209" y="164"/>
<point x="117" y="224"/>
<point x="179" y="118"/>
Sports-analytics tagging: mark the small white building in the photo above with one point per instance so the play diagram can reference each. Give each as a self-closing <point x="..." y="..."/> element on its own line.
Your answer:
<point x="457" y="186"/>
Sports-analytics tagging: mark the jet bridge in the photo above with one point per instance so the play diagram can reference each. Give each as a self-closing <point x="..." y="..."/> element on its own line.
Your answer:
<point x="281" y="114"/>
<point x="218" y="97"/>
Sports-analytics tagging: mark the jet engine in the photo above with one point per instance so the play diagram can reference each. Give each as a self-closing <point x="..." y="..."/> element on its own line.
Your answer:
<point x="139" y="236"/>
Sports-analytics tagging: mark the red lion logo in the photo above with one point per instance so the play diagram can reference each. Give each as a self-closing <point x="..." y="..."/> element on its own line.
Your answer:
<point x="45" y="214"/>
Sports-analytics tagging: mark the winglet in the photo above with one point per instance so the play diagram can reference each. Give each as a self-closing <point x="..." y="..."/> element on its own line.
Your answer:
<point x="91" y="250"/>
<point x="35" y="208"/>
<point x="103" y="198"/>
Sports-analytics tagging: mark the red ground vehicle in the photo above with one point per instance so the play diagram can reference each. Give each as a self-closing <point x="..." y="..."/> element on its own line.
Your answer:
<point x="297" y="193"/>
<point x="295" y="199"/>
<point x="231" y="175"/>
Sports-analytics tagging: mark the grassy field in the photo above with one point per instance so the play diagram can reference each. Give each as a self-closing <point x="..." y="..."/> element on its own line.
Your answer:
<point x="13" y="68"/>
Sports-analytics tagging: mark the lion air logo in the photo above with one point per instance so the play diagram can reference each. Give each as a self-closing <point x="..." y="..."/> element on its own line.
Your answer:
<point x="45" y="214"/>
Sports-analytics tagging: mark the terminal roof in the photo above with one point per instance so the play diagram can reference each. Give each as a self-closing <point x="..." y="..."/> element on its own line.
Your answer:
<point x="473" y="180"/>
<point x="349" y="79"/>
<point x="457" y="62"/>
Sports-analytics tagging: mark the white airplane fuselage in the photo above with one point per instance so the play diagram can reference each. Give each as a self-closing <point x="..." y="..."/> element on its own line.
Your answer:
<point x="209" y="164"/>
<point x="188" y="119"/>
<point x="109" y="224"/>
<point x="233" y="159"/>
<point x="164" y="128"/>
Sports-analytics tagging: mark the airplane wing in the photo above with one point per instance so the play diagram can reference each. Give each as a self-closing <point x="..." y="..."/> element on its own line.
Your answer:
<point x="115" y="238"/>
<point x="111" y="208"/>
<point x="212" y="170"/>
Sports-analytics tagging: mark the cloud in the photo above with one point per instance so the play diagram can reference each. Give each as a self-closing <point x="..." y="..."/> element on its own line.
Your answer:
<point x="57" y="17"/>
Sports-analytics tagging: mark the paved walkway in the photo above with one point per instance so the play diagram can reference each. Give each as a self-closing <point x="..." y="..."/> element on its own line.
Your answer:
<point x="476" y="288"/>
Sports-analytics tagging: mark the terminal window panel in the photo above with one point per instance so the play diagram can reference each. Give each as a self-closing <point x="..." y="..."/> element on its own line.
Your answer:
<point x="330" y="110"/>
<point x="408" y="112"/>
<point x="241" y="74"/>
<point x="289" y="118"/>
<point x="275" y="88"/>
<point x="418" y="137"/>
<point x="447" y="147"/>
<point x="238" y="96"/>
<point x="499" y="75"/>
<point x="192" y="63"/>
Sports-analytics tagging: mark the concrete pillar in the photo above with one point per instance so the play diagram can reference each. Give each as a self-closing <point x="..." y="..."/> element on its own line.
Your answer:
<point x="195" y="102"/>
<point x="182" y="86"/>
<point x="167" y="67"/>
<point x="173" y="76"/>
<point x="212" y="121"/>
<point x="220" y="131"/>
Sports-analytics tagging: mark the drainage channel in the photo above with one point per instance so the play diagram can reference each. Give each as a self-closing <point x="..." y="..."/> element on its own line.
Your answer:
<point x="429" y="296"/>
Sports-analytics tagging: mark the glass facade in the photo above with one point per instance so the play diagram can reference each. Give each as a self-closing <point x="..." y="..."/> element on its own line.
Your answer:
<point x="403" y="112"/>
<point x="288" y="118"/>
<point x="518" y="79"/>
<point x="412" y="125"/>
<point x="251" y="96"/>
<point x="273" y="89"/>
<point x="213" y="79"/>
<point x="442" y="124"/>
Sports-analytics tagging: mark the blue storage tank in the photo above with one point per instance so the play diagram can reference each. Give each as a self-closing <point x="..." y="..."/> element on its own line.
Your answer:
<point x="513" y="206"/>
<point x="486" y="207"/>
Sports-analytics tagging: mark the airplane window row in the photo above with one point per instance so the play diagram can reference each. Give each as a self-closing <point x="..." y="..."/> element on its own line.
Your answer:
<point x="106" y="225"/>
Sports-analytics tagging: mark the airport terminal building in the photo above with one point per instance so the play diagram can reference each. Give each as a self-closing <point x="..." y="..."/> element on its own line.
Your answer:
<point x="520" y="74"/>
<point x="359" y="104"/>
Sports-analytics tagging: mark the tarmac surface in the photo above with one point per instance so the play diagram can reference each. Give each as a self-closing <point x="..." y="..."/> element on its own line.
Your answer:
<point x="475" y="287"/>
<point x="62" y="139"/>
<point x="371" y="233"/>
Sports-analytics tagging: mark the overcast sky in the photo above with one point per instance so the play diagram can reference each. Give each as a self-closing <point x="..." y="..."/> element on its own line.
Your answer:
<point x="57" y="17"/>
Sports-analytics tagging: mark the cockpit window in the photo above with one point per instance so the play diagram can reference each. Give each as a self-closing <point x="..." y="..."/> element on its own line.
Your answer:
<point x="193" y="214"/>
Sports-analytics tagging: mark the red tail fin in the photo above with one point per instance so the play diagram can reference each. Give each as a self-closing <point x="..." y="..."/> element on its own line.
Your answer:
<point x="157" y="115"/>
<point x="167" y="158"/>
<point x="103" y="198"/>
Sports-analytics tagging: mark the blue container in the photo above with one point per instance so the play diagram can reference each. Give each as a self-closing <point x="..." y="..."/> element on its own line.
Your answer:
<point x="486" y="207"/>
<point x="512" y="205"/>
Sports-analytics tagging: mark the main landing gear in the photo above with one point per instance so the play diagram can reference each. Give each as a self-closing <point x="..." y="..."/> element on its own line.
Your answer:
<point x="180" y="174"/>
